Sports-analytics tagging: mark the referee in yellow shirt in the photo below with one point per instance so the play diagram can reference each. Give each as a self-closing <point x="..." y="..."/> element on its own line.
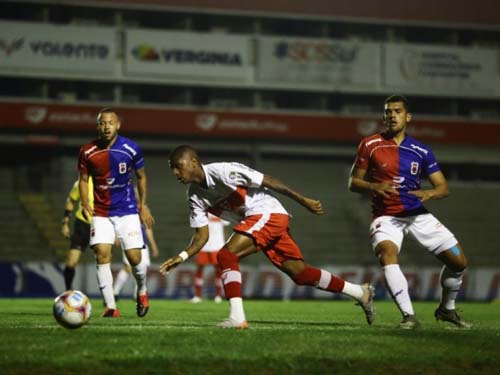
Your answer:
<point x="79" y="239"/>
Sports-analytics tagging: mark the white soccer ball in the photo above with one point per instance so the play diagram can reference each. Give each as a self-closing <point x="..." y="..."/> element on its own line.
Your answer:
<point x="72" y="309"/>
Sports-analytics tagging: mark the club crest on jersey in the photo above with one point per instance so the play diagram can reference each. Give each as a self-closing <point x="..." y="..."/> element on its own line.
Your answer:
<point x="122" y="168"/>
<point x="398" y="179"/>
<point x="234" y="175"/>
<point x="414" y="168"/>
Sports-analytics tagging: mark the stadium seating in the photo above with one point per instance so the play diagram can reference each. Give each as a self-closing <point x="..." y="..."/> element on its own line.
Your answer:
<point x="46" y="221"/>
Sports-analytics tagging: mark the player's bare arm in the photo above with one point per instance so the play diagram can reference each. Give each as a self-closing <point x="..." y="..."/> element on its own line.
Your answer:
<point x="198" y="240"/>
<point x="358" y="184"/>
<point x="153" y="246"/>
<point x="439" y="188"/>
<point x="83" y="187"/>
<point x="276" y="185"/>
<point x="144" y="212"/>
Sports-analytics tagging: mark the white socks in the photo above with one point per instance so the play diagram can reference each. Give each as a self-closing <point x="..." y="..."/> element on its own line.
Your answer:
<point x="353" y="290"/>
<point x="139" y="273"/>
<point x="105" y="282"/>
<point x="236" y="312"/>
<point x="450" y="282"/>
<point x="120" y="281"/>
<point x="398" y="286"/>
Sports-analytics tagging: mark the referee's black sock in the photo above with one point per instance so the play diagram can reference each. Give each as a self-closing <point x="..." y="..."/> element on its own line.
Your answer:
<point x="69" y="275"/>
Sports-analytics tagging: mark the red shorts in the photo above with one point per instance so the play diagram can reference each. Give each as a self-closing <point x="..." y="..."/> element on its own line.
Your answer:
<point x="271" y="235"/>
<point x="206" y="257"/>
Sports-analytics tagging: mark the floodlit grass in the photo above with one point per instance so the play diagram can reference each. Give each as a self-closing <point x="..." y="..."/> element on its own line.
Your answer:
<point x="324" y="337"/>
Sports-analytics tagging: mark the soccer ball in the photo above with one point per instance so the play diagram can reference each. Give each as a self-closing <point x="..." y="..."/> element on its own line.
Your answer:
<point x="72" y="309"/>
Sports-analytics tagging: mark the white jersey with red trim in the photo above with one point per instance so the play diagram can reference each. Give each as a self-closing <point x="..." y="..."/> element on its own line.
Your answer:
<point x="233" y="191"/>
<point x="216" y="239"/>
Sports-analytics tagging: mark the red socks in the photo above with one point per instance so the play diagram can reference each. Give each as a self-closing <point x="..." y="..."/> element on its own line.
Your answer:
<point x="319" y="278"/>
<point x="231" y="275"/>
<point x="198" y="282"/>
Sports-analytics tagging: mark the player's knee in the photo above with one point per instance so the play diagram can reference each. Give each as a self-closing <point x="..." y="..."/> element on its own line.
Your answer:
<point x="225" y="258"/>
<point x="462" y="265"/>
<point x="456" y="259"/>
<point x="293" y="267"/>
<point x="459" y="266"/>
<point x="134" y="260"/>
<point x="387" y="253"/>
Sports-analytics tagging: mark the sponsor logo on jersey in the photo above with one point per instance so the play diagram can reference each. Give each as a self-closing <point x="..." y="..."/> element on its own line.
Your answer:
<point x="235" y="175"/>
<point x="130" y="149"/>
<point x="373" y="141"/>
<point x="421" y="149"/>
<point x="398" y="179"/>
<point x="90" y="150"/>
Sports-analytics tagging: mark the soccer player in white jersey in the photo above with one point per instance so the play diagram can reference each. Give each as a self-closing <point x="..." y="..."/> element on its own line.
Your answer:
<point x="390" y="166"/>
<point x="208" y="256"/>
<point x="240" y="194"/>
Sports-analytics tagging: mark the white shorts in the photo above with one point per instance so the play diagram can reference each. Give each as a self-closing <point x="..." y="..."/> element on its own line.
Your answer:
<point x="145" y="258"/>
<point x="126" y="228"/>
<point x="425" y="229"/>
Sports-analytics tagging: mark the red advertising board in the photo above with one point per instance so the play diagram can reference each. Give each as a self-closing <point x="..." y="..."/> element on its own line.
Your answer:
<point x="49" y="118"/>
<point x="478" y="12"/>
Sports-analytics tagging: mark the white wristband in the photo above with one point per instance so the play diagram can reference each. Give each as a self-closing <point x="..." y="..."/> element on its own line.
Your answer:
<point x="184" y="255"/>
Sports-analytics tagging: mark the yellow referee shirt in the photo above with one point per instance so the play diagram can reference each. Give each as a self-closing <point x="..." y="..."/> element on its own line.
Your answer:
<point x="75" y="196"/>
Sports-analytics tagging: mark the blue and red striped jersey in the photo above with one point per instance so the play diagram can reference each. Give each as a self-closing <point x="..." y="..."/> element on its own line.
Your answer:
<point x="404" y="165"/>
<point x="111" y="170"/>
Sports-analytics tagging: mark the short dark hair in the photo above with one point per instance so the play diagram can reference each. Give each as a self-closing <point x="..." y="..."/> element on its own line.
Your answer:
<point x="398" y="99"/>
<point x="179" y="152"/>
<point x="108" y="110"/>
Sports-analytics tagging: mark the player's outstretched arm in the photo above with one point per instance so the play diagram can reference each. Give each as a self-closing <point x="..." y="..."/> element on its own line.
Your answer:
<point x="198" y="240"/>
<point x="311" y="204"/>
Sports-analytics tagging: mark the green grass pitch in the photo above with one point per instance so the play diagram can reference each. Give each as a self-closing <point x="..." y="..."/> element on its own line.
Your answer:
<point x="301" y="337"/>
